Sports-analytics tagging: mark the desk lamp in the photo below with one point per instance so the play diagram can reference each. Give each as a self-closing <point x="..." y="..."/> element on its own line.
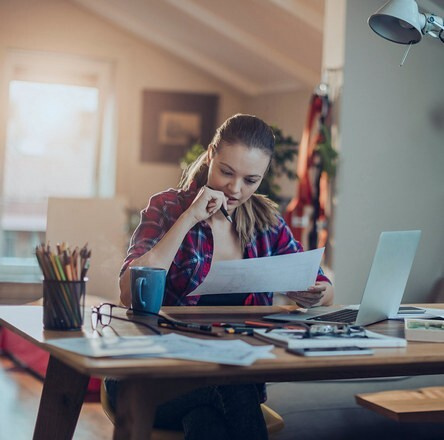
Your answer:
<point x="401" y="22"/>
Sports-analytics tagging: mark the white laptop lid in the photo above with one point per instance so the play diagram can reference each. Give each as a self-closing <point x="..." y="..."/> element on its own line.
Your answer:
<point x="388" y="276"/>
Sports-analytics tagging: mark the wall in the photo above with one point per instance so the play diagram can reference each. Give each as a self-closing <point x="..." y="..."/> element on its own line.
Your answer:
<point x="59" y="26"/>
<point x="287" y="111"/>
<point x="390" y="174"/>
<point x="62" y="27"/>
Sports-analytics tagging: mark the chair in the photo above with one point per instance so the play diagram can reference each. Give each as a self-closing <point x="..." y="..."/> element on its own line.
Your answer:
<point x="273" y="420"/>
<point x="100" y="222"/>
<point x="420" y="405"/>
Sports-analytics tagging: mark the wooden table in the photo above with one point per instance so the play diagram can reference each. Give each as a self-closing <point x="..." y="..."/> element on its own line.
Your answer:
<point x="148" y="382"/>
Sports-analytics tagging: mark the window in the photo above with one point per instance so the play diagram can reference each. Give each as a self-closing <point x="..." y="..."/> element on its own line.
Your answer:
<point x="56" y="145"/>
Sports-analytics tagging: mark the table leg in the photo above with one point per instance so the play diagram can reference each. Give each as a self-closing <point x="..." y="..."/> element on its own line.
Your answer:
<point x="62" y="398"/>
<point x="137" y="401"/>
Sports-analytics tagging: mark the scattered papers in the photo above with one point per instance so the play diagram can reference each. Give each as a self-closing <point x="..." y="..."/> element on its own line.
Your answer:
<point x="280" y="273"/>
<point x="428" y="313"/>
<point x="294" y="339"/>
<point x="172" y="345"/>
<point x="280" y="337"/>
<point x="434" y="312"/>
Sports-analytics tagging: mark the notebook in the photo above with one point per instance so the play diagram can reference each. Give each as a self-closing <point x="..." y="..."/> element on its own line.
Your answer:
<point x="384" y="288"/>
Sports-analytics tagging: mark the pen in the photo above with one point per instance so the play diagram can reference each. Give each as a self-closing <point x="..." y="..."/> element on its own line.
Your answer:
<point x="239" y="331"/>
<point x="190" y="325"/>
<point x="225" y="213"/>
<point x="227" y="324"/>
<point x="223" y="210"/>
<point x="258" y="324"/>
<point x="187" y="329"/>
<point x="269" y="326"/>
<point x="203" y="327"/>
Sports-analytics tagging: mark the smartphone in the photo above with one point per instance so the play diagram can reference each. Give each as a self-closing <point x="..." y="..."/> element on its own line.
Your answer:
<point x="330" y="351"/>
<point x="405" y="310"/>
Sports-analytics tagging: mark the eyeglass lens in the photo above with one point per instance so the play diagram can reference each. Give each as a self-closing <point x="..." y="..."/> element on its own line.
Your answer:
<point x="94" y="318"/>
<point x="105" y="311"/>
<point x="101" y="314"/>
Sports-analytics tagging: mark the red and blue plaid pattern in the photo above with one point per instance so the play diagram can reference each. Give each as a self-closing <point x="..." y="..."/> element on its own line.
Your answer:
<point x="193" y="259"/>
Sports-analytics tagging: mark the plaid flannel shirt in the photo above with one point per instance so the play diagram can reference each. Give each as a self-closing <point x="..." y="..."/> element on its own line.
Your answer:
<point x="192" y="261"/>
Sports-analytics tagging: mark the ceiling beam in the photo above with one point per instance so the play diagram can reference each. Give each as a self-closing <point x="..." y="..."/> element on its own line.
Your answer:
<point x="255" y="45"/>
<point x="139" y="27"/>
<point x="194" y="57"/>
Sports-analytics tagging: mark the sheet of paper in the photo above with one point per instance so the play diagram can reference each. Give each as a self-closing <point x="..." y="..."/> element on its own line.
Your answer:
<point x="280" y="273"/>
<point x="234" y="352"/>
<point x="429" y="313"/>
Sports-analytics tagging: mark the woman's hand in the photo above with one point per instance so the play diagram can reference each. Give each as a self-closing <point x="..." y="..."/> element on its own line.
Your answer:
<point x="207" y="202"/>
<point x="311" y="297"/>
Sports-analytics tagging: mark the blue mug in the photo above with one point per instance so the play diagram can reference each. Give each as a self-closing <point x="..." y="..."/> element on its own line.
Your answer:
<point x="147" y="289"/>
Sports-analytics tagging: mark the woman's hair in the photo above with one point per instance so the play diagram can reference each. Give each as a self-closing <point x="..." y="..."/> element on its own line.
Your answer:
<point x="258" y="212"/>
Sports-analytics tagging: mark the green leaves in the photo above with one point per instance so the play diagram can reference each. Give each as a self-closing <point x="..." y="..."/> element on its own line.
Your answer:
<point x="328" y="154"/>
<point x="191" y="155"/>
<point x="285" y="152"/>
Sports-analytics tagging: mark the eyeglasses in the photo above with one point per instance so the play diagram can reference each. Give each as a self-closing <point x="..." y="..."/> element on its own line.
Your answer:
<point x="103" y="314"/>
<point x="341" y="331"/>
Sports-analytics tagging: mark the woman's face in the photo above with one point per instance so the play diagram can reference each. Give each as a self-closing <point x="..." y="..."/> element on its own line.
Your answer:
<point x="237" y="171"/>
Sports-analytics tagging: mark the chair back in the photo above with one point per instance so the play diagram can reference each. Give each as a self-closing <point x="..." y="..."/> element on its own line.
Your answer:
<point x="102" y="224"/>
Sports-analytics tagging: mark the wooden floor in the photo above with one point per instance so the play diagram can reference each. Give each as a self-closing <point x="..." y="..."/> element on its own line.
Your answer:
<point x="19" y="400"/>
<point x="312" y="410"/>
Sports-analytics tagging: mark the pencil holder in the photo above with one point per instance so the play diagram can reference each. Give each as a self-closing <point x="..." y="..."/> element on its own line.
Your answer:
<point x="63" y="304"/>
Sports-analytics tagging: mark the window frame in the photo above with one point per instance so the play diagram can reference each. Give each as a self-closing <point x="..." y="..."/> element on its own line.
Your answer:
<point x="62" y="69"/>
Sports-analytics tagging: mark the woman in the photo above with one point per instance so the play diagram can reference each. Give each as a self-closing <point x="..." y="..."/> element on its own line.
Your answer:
<point x="185" y="230"/>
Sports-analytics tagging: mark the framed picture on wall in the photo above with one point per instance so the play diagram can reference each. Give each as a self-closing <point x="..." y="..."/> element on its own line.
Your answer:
<point x="174" y="121"/>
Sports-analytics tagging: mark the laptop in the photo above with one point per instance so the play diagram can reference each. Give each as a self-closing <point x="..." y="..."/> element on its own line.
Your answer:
<point x="384" y="289"/>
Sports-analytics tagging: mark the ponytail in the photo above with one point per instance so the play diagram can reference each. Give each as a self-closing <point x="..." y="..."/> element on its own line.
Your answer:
<point x="258" y="213"/>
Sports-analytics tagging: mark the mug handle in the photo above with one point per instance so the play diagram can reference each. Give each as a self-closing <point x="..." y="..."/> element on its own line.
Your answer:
<point x="140" y="282"/>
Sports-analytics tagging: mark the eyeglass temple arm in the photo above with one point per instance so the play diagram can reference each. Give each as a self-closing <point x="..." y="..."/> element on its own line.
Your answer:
<point x="141" y="312"/>
<point x="132" y="320"/>
<point x="164" y="318"/>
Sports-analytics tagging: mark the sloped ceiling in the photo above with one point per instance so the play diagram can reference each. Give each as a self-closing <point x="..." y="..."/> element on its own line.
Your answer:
<point x="255" y="46"/>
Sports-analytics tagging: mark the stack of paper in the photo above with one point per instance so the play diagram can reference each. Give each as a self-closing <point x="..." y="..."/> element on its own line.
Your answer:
<point x="294" y="339"/>
<point x="424" y="330"/>
<point x="233" y="352"/>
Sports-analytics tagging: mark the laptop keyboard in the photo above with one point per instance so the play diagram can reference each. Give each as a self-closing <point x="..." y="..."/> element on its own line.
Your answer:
<point x="344" y="315"/>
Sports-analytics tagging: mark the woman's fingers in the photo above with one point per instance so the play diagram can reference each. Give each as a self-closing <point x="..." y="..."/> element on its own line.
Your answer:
<point x="211" y="206"/>
<point x="317" y="288"/>
<point x="207" y="203"/>
<point x="217" y="200"/>
<point x="221" y="195"/>
<point x="308" y="294"/>
<point x="306" y="298"/>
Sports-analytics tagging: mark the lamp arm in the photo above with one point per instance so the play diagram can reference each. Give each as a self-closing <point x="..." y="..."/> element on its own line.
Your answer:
<point x="432" y="22"/>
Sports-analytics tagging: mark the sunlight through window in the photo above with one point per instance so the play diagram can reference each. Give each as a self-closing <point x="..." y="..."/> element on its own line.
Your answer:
<point x="51" y="151"/>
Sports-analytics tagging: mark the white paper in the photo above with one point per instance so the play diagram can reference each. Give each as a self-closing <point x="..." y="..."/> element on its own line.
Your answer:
<point x="294" y="340"/>
<point x="172" y="345"/>
<point x="280" y="273"/>
<point x="429" y="313"/>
